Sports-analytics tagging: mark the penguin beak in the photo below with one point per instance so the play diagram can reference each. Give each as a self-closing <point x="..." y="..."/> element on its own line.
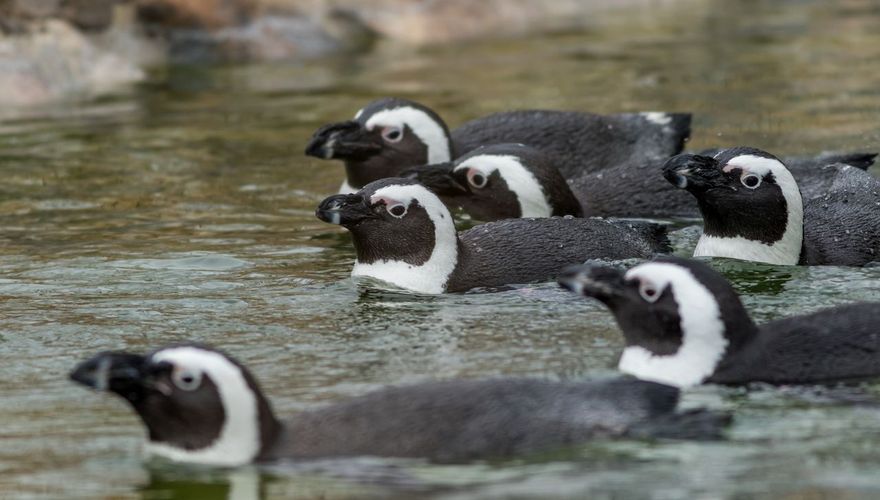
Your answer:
<point x="342" y="141"/>
<point x="439" y="178"/>
<point x="118" y="372"/>
<point x="603" y="283"/>
<point x="695" y="173"/>
<point x="345" y="209"/>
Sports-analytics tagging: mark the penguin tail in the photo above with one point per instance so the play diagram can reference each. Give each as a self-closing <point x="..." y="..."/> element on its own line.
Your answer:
<point x="861" y="161"/>
<point x="680" y="126"/>
<point x="699" y="425"/>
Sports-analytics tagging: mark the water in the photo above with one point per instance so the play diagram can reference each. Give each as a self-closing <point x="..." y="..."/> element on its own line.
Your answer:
<point x="183" y="210"/>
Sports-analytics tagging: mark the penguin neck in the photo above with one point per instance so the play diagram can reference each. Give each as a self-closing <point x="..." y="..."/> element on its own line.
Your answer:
<point x="714" y="327"/>
<point x="247" y="429"/>
<point x="413" y="272"/>
<point x="716" y="240"/>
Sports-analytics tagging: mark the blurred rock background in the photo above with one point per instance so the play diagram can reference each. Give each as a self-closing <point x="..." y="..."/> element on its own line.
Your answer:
<point x="53" y="49"/>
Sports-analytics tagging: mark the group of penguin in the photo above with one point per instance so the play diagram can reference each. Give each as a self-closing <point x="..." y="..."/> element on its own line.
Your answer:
<point x="544" y="182"/>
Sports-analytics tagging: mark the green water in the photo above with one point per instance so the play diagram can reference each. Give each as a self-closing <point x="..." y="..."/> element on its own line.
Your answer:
<point x="183" y="210"/>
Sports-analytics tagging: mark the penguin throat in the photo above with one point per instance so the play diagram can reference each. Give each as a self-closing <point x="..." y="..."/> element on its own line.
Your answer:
<point x="422" y="276"/>
<point x="770" y="233"/>
<point x="786" y="251"/>
<point x="702" y="347"/>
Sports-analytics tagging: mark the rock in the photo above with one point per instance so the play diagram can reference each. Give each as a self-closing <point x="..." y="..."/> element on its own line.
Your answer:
<point x="272" y="38"/>
<point x="202" y="14"/>
<point x="89" y="15"/>
<point x="56" y="61"/>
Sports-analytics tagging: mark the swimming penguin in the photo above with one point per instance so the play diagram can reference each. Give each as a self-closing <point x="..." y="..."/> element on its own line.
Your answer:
<point x="201" y="406"/>
<point x="404" y="235"/>
<point x="753" y="210"/>
<point x="513" y="180"/>
<point x="390" y="134"/>
<point x="685" y="325"/>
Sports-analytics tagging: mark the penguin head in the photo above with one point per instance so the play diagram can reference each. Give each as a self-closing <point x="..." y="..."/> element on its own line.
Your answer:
<point x="402" y="233"/>
<point x="679" y="317"/>
<point x="198" y="404"/>
<point x="501" y="181"/>
<point x="385" y="137"/>
<point x="750" y="202"/>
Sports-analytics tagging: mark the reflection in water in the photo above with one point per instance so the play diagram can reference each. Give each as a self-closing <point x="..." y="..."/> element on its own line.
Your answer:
<point x="185" y="482"/>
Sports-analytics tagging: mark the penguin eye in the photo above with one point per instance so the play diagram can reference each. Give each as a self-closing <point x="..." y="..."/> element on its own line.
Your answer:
<point x="392" y="134"/>
<point x="477" y="179"/>
<point x="397" y="211"/>
<point x="648" y="291"/>
<point x="185" y="379"/>
<point x="750" y="181"/>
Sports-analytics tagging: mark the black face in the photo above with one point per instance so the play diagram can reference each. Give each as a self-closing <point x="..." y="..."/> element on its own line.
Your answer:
<point x="489" y="197"/>
<point x="647" y="316"/>
<point x="383" y="228"/>
<point x="483" y="197"/>
<point x="733" y="201"/>
<point x="180" y="406"/>
<point x="370" y="155"/>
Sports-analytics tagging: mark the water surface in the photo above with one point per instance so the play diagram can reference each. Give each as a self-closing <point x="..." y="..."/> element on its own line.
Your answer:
<point x="183" y="211"/>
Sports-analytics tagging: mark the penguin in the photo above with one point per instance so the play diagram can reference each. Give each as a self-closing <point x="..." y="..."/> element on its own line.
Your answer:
<point x="391" y="134"/>
<point x="200" y="405"/>
<point x="752" y="209"/>
<point x="504" y="181"/>
<point x="684" y="325"/>
<point x="404" y="235"/>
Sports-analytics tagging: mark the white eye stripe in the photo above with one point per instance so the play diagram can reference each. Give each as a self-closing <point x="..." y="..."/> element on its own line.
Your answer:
<point x="431" y="133"/>
<point x="519" y="179"/>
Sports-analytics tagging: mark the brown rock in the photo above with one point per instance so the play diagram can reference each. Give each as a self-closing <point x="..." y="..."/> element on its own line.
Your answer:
<point x="89" y="15"/>
<point x="204" y="14"/>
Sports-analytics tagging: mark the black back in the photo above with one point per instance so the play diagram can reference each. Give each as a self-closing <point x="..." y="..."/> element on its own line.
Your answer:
<point x="842" y="227"/>
<point x="532" y="250"/>
<point x="838" y="344"/>
<point x="632" y="190"/>
<point x="461" y="420"/>
<point x="580" y="142"/>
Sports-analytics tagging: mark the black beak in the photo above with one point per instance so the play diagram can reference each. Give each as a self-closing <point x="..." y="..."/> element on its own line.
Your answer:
<point x="118" y="372"/>
<point x="438" y="177"/>
<point x="693" y="172"/>
<point x="593" y="280"/>
<point x="344" y="141"/>
<point x="345" y="209"/>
